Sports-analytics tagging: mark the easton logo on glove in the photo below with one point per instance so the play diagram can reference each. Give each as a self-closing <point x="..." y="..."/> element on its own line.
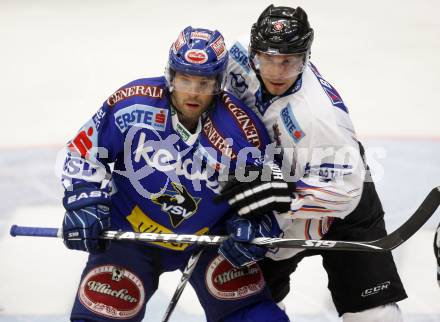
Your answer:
<point x="87" y="216"/>
<point x="90" y="194"/>
<point x="83" y="195"/>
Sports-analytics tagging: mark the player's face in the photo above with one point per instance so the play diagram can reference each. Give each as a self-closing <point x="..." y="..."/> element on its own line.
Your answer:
<point x="279" y="72"/>
<point x="192" y="95"/>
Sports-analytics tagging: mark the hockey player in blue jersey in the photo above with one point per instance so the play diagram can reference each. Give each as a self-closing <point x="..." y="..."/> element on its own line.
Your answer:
<point x="150" y="160"/>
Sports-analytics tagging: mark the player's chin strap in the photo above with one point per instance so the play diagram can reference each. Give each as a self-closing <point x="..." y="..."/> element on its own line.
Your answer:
<point x="189" y="268"/>
<point x="385" y="244"/>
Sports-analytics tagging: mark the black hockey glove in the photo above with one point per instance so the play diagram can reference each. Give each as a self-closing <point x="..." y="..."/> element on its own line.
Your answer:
<point x="87" y="215"/>
<point x="437" y="252"/>
<point x="256" y="198"/>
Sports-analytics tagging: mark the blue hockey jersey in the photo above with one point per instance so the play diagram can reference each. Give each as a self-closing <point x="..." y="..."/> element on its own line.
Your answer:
<point x="163" y="178"/>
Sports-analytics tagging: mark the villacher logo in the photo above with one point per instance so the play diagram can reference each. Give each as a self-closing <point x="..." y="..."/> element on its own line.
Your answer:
<point x="226" y="282"/>
<point x="112" y="292"/>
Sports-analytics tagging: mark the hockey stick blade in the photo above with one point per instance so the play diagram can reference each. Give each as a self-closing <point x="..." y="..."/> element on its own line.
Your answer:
<point x="387" y="243"/>
<point x="413" y="224"/>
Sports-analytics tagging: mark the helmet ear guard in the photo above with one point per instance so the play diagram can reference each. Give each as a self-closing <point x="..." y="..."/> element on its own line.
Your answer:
<point x="198" y="52"/>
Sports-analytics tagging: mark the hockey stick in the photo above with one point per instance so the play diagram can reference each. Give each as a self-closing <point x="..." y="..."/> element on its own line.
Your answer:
<point x="189" y="268"/>
<point x="387" y="243"/>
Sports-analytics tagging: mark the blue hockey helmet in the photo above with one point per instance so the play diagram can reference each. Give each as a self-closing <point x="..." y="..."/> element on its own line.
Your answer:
<point x="200" y="52"/>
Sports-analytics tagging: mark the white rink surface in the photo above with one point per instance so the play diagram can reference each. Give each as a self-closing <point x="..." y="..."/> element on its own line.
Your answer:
<point x="38" y="276"/>
<point x="61" y="59"/>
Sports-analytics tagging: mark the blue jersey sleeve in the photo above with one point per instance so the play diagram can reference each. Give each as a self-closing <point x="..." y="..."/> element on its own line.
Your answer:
<point x="100" y="140"/>
<point x="95" y="146"/>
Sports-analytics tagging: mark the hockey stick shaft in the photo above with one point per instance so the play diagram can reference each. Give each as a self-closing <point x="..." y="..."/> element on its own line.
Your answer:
<point x="123" y="235"/>
<point x="192" y="262"/>
<point x="34" y="231"/>
<point x="387" y="243"/>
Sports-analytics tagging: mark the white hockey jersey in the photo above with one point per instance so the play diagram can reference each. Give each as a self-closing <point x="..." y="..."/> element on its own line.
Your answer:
<point x="312" y="126"/>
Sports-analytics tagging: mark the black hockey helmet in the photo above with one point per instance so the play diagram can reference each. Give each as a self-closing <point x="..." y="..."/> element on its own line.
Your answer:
<point x="281" y="30"/>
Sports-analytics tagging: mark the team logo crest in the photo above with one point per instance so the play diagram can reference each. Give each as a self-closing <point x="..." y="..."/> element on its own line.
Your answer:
<point x="278" y="25"/>
<point x="117" y="274"/>
<point x="238" y="82"/>
<point x="178" y="204"/>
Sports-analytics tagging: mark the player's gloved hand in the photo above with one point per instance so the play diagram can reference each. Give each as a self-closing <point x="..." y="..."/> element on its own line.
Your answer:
<point x="87" y="215"/>
<point x="237" y="249"/>
<point x="437" y="251"/>
<point x="269" y="191"/>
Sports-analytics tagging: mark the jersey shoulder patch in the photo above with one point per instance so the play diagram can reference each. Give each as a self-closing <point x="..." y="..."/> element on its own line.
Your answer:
<point x="291" y="124"/>
<point x="147" y="87"/>
<point x="240" y="55"/>
<point x="329" y="90"/>
<point x="143" y="101"/>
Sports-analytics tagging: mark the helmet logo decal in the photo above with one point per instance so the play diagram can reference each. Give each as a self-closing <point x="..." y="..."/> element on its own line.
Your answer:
<point x="278" y="25"/>
<point x="200" y="35"/>
<point x="179" y="42"/>
<point x="219" y="47"/>
<point x="196" y="56"/>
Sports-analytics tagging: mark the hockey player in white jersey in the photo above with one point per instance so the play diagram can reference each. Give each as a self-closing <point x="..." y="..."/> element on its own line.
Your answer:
<point x="334" y="197"/>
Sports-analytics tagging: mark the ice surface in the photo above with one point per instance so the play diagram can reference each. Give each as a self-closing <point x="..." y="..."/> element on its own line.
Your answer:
<point x="61" y="59"/>
<point x="43" y="275"/>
